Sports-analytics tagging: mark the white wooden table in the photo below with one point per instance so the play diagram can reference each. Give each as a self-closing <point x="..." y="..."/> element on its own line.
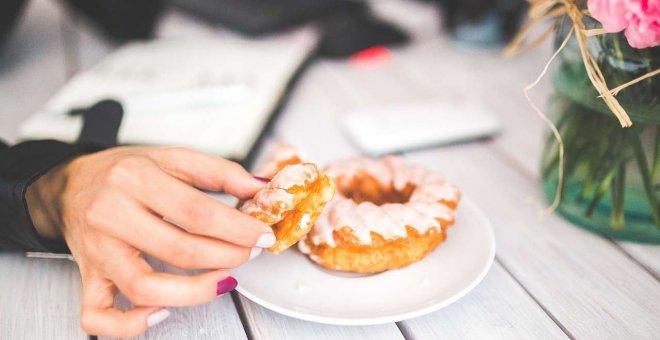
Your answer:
<point x="549" y="280"/>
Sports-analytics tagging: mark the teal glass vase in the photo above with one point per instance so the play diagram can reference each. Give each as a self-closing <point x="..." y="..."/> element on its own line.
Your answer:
<point x="611" y="182"/>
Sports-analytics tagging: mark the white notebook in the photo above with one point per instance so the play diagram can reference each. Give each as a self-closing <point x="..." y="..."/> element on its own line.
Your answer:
<point x="210" y="94"/>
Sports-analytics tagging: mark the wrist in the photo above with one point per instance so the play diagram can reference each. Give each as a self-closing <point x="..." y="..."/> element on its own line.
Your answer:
<point x="43" y="199"/>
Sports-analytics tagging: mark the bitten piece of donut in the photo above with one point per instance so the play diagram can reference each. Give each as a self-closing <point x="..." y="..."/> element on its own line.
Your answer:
<point x="291" y="201"/>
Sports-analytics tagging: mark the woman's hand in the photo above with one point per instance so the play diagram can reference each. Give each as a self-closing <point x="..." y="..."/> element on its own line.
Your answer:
<point x="115" y="205"/>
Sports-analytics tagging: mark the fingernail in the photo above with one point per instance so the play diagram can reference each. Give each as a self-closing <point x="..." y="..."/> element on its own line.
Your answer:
<point x="225" y="285"/>
<point x="266" y="240"/>
<point x="157" y="317"/>
<point x="262" y="179"/>
<point x="255" y="252"/>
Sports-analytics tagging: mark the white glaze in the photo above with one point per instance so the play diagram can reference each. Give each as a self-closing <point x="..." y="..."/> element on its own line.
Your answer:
<point x="303" y="224"/>
<point x="390" y="219"/>
<point x="435" y="192"/>
<point x="303" y="247"/>
<point x="292" y="175"/>
<point x="274" y="200"/>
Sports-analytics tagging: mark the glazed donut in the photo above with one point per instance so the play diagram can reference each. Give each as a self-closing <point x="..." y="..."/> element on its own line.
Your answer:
<point x="385" y="215"/>
<point x="292" y="200"/>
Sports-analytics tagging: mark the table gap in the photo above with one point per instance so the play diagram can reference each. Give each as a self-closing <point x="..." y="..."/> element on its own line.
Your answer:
<point x="404" y="330"/>
<point x="633" y="258"/>
<point x="242" y="315"/>
<point x="545" y="310"/>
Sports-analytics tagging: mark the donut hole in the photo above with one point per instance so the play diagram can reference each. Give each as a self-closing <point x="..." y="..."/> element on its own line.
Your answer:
<point x="365" y="188"/>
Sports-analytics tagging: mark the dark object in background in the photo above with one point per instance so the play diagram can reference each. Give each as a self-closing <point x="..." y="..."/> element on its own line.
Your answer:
<point x="119" y="19"/>
<point x="122" y="19"/>
<point x="347" y="26"/>
<point x="347" y="33"/>
<point x="483" y="22"/>
<point x="9" y="13"/>
<point x="257" y="17"/>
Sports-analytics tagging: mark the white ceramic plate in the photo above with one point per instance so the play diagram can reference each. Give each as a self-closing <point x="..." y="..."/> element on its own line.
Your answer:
<point x="293" y="285"/>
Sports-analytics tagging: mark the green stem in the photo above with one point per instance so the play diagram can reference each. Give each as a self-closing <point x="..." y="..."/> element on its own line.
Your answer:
<point x="604" y="181"/>
<point x="618" y="75"/>
<point x="646" y="178"/>
<point x="601" y="190"/>
<point x="655" y="171"/>
<point x="597" y="160"/>
<point x="617" y="220"/>
<point x="647" y="59"/>
<point x="617" y="47"/>
<point x="588" y="186"/>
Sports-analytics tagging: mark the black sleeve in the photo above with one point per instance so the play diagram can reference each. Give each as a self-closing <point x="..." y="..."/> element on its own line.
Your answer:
<point x="21" y="165"/>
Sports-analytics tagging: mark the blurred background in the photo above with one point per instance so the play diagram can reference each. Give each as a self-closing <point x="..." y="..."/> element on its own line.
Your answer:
<point x="228" y="69"/>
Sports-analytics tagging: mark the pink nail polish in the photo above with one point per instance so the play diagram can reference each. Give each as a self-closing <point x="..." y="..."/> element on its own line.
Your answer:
<point x="262" y="179"/>
<point x="225" y="285"/>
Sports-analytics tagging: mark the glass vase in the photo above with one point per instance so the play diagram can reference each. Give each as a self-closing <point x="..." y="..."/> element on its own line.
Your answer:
<point x="611" y="180"/>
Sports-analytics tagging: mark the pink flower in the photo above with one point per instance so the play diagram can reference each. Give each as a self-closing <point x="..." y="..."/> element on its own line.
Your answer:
<point x="611" y="13"/>
<point x="643" y="34"/>
<point x="639" y="18"/>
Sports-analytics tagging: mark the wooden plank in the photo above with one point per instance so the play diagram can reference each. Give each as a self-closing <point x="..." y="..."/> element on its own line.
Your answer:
<point x="648" y="255"/>
<point x="265" y="324"/>
<point x="32" y="65"/>
<point x="399" y="12"/>
<point x="313" y="108"/>
<point x="484" y="76"/>
<point x="587" y="285"/>
<point x="498" y="308"/>
<point x="217" y="319"/>
<point x="40" y="298"/>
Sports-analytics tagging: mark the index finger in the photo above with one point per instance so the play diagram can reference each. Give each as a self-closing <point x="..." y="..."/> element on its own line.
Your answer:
<point x="199" y="213"/>
<point x="207" y="172"/>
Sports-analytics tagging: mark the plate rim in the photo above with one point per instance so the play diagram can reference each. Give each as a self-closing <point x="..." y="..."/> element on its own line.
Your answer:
<point x="397" y="316"/>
